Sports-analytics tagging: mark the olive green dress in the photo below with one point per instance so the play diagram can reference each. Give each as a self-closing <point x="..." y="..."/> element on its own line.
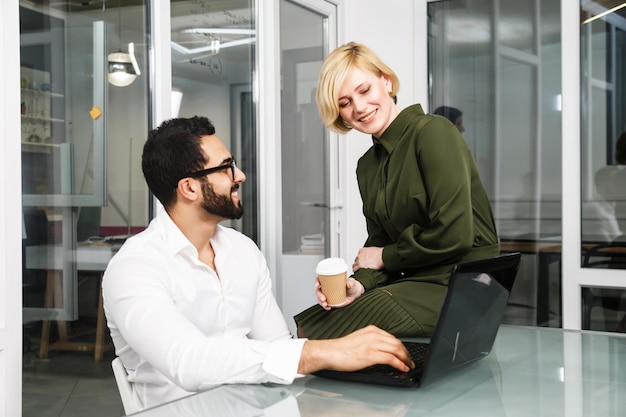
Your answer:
<point x="425" y="204"/>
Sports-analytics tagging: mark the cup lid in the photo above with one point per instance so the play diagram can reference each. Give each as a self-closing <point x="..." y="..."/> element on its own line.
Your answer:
<point x="331" y="266"/>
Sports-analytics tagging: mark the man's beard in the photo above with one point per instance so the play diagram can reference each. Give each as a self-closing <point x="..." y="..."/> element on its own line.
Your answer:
<point x="220" y="205"/>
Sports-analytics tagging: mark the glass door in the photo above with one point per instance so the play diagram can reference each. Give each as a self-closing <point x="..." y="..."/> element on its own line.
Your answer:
<point x="308" y="154"/>
<point x="63" y="103"/>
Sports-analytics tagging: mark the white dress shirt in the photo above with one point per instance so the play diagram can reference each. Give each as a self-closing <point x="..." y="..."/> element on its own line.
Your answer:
<point x="181" y="327"/>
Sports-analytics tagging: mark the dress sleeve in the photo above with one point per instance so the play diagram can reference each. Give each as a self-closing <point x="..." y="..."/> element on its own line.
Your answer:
<point x="445" y="233"/>
<point x="371" y="278"/>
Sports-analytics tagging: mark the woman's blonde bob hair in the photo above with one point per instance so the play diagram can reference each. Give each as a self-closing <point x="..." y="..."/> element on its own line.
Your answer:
<point x="333" y="73"/>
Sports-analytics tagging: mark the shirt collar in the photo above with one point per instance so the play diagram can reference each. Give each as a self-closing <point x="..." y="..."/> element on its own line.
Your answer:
<point x="392" y="135"/>
<point x="172" y="236"/>
<point x="177" y="242"/>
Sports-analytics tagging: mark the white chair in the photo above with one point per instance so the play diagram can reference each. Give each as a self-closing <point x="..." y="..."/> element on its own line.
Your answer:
<point x="124" y="386"/>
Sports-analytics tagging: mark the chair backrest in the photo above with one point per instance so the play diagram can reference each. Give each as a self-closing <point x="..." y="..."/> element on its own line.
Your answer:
<point x="124" y="386"/>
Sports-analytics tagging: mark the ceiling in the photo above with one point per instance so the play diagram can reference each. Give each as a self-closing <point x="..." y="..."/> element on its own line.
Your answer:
<point x="197" y="25"/>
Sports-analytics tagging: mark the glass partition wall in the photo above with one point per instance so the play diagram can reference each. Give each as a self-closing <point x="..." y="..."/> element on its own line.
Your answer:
<point x="603" y="158"/>
<point x="86" y="110"/>
<point x="498" y="63"/>
<point x="82" y="131"/>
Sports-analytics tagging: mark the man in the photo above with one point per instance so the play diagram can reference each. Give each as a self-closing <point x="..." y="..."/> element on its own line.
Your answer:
<point x="189" y="302"/>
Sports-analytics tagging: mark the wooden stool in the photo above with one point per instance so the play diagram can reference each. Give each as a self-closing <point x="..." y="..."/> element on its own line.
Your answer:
<point x="54" y="298"/>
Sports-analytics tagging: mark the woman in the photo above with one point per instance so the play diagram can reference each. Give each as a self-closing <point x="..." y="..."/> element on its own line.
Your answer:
<point x="424" y="203"/>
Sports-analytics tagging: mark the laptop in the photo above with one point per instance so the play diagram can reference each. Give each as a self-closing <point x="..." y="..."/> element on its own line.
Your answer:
<point x="465" y="331"/>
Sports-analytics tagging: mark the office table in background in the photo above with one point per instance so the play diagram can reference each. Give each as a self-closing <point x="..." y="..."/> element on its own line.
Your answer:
<point x="88" y="257"/>
<point x="532" y="371"/>
<point x="548" y="251"/>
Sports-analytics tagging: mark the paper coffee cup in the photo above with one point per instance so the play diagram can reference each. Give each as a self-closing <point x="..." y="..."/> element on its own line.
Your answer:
<point x="332" y="274"/>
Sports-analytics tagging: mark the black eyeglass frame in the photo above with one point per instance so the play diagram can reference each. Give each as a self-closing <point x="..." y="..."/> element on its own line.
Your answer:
<point x="232" y="165"/>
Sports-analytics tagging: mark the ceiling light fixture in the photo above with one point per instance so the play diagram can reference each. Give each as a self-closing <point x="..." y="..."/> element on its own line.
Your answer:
<point x="123" y="67"/>
<point x="220" y="45"/>
<point x="214" y="43"/>
<point x="604" y="13"/>
<point x="220" y="31"/>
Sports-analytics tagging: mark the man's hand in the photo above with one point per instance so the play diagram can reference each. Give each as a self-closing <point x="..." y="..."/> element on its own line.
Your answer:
<point x="360" y="349"/>
<point x="354" y="289"/>
<point x="370" y="257"/>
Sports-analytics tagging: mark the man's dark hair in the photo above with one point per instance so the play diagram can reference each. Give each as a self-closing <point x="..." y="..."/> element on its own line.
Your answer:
<point x="172" y="152"/>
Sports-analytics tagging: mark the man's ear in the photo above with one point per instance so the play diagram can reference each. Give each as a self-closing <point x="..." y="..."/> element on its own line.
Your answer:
<point x="189" y="189"/>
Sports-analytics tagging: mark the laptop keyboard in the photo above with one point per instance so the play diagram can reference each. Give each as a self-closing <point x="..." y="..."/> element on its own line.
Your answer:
<point x="417" y="351"/>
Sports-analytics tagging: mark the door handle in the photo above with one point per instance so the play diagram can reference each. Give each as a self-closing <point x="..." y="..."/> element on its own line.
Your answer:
<point x="323" y="205"/>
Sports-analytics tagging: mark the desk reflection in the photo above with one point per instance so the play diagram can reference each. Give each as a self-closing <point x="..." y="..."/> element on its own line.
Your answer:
<point x="271" y="401"/>
<point x="531" y="372"/>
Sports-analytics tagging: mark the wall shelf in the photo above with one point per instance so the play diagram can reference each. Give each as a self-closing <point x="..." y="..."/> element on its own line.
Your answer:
<point x="42" y="119"/>
<point x="38" y="147"/>
<point x="45" y="93"/>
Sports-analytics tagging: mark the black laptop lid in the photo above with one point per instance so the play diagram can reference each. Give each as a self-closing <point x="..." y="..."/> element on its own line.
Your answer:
<point x="472" y="312"/>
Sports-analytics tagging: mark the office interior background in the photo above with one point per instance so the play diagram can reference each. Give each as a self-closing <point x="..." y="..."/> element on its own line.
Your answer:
<point x="540" y="85"/>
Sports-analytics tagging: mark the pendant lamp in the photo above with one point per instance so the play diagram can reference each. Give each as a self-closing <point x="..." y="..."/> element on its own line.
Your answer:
<point x="123" y="67"/>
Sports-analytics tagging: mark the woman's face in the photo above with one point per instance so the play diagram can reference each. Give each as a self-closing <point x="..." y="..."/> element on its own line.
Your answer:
<point x="364" y="102"/>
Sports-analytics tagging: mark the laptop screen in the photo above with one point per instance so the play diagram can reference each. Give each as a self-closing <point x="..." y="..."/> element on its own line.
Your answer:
<point x="471" y="314"/>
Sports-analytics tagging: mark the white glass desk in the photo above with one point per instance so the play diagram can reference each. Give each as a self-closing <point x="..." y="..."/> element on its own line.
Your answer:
<point x="530" y="372"/>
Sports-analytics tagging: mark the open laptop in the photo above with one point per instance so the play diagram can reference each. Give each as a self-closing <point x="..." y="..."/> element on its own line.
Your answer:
<point x="466" y="328"/>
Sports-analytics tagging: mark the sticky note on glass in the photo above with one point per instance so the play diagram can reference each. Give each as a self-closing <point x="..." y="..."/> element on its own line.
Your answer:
<point x="95" y="112"/>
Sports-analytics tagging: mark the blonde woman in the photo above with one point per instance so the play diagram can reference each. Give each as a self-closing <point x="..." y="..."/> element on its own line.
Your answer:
<point x="424" y="203"/>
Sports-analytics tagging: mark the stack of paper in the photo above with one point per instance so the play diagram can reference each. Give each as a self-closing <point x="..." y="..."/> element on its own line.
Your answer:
<point x="312" y="244"/>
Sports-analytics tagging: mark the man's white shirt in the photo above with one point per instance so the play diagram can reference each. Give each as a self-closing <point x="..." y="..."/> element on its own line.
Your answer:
<point x="181" y="327"/>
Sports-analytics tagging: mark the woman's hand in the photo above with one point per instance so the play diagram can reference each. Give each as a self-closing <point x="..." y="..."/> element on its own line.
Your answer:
<point x="370" y="257"/>
<point x="354" y="289"/>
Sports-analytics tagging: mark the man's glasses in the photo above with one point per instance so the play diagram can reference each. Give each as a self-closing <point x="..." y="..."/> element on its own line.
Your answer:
<point x="231" y="165"/>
